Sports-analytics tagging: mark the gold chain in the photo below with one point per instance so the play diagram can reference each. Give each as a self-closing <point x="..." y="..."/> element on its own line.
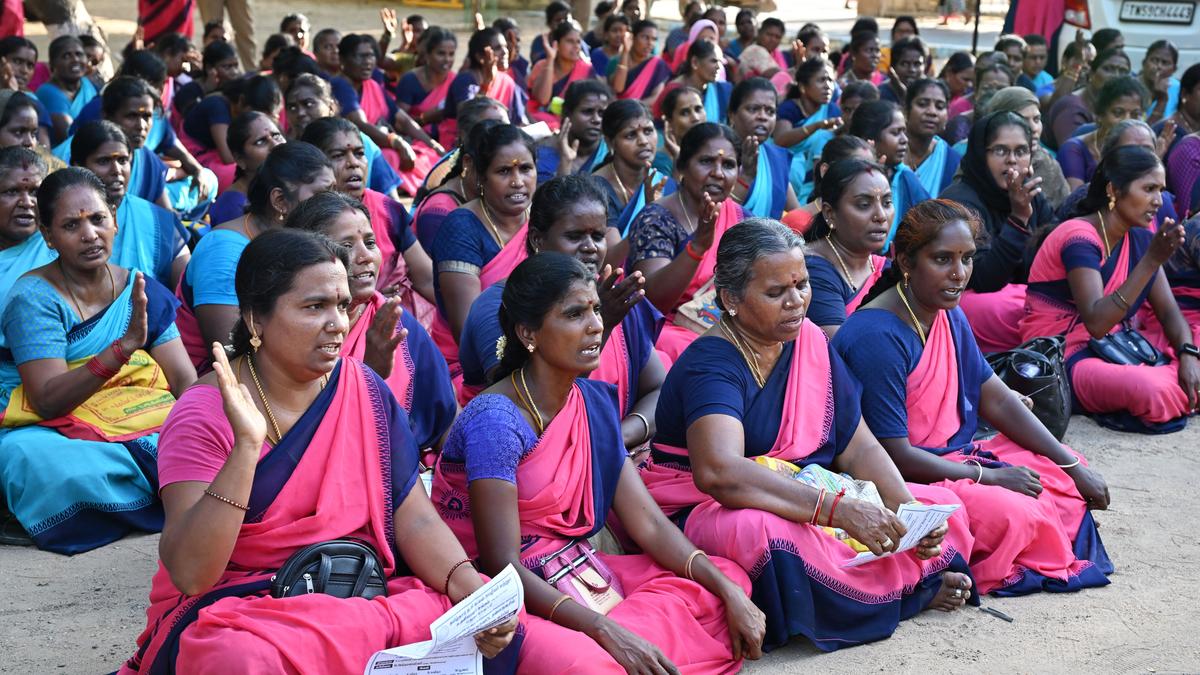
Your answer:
<point x="488" y="219"/>
<point x="751" y="358"/>
<point x="1104" y="233"/>
<point x="845" y="269"/>
<point x="688" y="216"/>
<point x="913" y="315"/>
<point x="262" y="396"/>
<point x="617" y="176"/>
<point x="526" y="399"/>
<point x="112" y="284"/>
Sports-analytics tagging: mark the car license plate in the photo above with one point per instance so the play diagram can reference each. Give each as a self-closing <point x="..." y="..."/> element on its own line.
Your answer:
<point x="1145" y="11"/>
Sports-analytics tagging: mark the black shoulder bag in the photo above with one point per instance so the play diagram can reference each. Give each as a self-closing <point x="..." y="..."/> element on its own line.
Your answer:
<point x="1037" y="370"/>
<point x="343" y="568"/>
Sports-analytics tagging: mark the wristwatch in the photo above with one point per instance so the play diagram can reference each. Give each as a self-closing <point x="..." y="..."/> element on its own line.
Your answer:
<point x="1189" y="349"/>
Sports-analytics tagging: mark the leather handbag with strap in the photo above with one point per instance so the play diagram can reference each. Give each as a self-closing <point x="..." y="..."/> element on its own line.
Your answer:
<point x="1037" y="370"/>
<point x="1127" y="347"/>
<point x="577" y="572"/>
<point x="343" y="568"/>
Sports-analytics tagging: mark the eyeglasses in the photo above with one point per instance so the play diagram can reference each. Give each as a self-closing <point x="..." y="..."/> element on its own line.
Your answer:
<point x="1004" y="152"/>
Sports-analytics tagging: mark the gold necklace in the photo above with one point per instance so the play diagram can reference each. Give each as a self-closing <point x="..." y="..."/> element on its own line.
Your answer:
<point x="1104" y="233"/>
<point x="845" y="269"/>
<point x="617" y="176"/>
<point x="526" y="399"/>
<point x="74" y="300"/>
<point x="751" y="358"/>
<point x="488" y="219"/>
<point x="262" y="396"/>
<point x="912" y="315"/>
<point x="686" y="215"/>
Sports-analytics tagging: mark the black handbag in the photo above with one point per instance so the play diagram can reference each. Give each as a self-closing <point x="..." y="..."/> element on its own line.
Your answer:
<point x="1037" y="370"/>
<point x="1127" y="347"/>
<point x="343" y="568"/>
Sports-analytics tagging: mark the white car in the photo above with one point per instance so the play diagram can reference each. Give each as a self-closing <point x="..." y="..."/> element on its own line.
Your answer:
<point x="1142" y="22"/>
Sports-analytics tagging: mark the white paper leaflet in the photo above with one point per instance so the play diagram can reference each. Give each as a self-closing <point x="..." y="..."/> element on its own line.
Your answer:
<point x="920" y="519"/>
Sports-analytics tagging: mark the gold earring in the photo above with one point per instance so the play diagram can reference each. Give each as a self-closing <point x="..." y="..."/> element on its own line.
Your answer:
<point x="1112" y="203"/>
<point x="255" y="341"/>
<point x="906" y="279"/>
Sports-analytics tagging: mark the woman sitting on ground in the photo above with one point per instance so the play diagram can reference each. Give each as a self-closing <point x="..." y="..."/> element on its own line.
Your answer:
<point x="1120" y="99"/>
<point x="930" y="389"/>
<point x="406" y="267"/>
<point x="991" y="76"/>
<point x="563" y="65"/>
<point x="568" y="217"/>
<point x="1023" y="103"/>
<point x="1126" y="132"/>
<point x="639" y="73"/>
<point x="448" y="185"/>
<point x="700" y="72"/>
<point x="536" y="464"/>
<point x="381" y="333"/>
<point x="764" y="187"/>
<point x="483" y="74"/>
<point x="68" y="90"/>
<point x="311" y="447"/>
<point x="929" y="155"/>
<point x="92" y="365"/>
<point x="673" y="242"/>
<point x="483" y="240"/>
<point x="206" y="125"/>
<point x="627" y="180"/>
<point x="579" y="145"/>
<point x="682" y="109"/>
<point x="22" y="246"/>
<point x="1079" y="107"/>
<point x="807" y="121"/>
<point x="839" y="148"/>
<point x="308" y="98"/>
<point x="845" y="239"/>
<point x="998" y="185"/>
<point x="291" y="173"/>
<point x="252" y="136"/>
<point x="148" y="237"/>
<point x="1093" y="274"/>
<point x="764" y="383"/>
<point x="422" y="91"/>
<point x="882" y="123"/>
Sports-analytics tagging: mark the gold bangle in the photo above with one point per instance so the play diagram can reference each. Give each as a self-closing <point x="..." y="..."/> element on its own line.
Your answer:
<point x="554" y="607"/>
<point x="979" y="478"/>
<point x="227" y="500"/>
<point x="1121" y="301"/>
<point x="687" y="568"/>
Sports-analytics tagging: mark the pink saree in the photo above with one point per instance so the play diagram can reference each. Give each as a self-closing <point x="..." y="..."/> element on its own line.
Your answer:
<point x="878" y="262"/>
<point x="394" y="271"/>
<point x="373" y="101"/>
<point x="674" y="339"/>
<point x="1014" y="535"/>
<point x="1149" y="393"/>
<point x="339" y="485"/>
<point x="565" y="487"/>
<point x="539" y="113"/>
<point x="796" y="568"/>
<point x="641" y="84"/>
<point x="995" y="317"/>
<point x="434" y="100"/>
<point x="499" y="267"/>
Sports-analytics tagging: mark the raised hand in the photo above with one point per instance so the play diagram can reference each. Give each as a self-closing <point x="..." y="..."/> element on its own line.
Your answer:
<point x="799" y="52"/>
<point x="750" y="158"/>
<point x="248" y="424"/>
<point x="1165" y="138"/>
<point x="493" y="640"/>
<point x="137" y="333"/>
<point x="670" y="143"/>
<point x="383" y="337"/>
<point x="551" y="49"/>
<point x="568" y="149"/>
<point x="1021" y="192"/>
<point x="706" y="222"/>
<point x="617" y="295"/>
<point x="480" y="24"/>
<point x="896" y="84"/>
<point x="8" y="79"/>
<point x="387" y="16"/>
<point x="1166" y="241"/>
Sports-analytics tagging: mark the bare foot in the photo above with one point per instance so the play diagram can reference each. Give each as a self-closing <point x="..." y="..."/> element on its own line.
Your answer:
<point x="955" y="590"/>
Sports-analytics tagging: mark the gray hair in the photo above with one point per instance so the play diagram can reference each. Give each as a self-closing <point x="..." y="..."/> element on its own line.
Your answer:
<point x="19" y="157"/>
<point x="745" y="243"/>
<point x="1114" y="137"/>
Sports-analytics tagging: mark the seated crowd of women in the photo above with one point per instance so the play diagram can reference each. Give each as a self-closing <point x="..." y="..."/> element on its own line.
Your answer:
<point x="662" y="341"/>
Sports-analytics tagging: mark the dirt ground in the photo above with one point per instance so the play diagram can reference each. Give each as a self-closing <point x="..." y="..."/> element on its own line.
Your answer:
<point x="82" y="614"/>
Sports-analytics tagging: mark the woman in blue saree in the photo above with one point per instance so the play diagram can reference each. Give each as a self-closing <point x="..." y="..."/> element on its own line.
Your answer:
<point x="568" y="217"/>
<point x="929" y="155"/>
<point x="22" y="247"/>
<point x="627" y="179"/>
<point x="93" y="363"/>
<point x="68" y="90"/>
<point x="700" y="72"/>
<point x="149" y="238"/>
<point x="578" y="146"/>
<point x="763" y="189"/>
<point x="882" y="123"/>
<point x="806" y="121"/>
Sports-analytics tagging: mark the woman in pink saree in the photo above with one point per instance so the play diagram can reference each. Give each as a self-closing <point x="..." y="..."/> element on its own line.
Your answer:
<point x="638" y="73"/>
<point x="673" y="241"/>
<point x="320" y="450"/>
<point x="1090" y="278"/>
<point x="483" y="240"/>
<point x="422" y="91"/>
<point x="765" y="386"/>
<point x="483" y="74"/>
<point x="535" y="466"/>
<point x="407" y="270"/>
<point x="550" y="77"/>
<point x="383" y="334"/>
<point x="928" y="387"/>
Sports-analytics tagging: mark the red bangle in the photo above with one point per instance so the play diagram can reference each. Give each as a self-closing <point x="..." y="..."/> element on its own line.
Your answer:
<point x="817" y="511"/>
<point x="119" y="352"/>
<point x="692" y="252"/>
<point x="841" y="493"/>
<point x="95" y="367"/>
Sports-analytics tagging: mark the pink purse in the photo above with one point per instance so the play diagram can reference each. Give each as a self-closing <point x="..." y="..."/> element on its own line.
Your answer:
<point x="576" y="571"/>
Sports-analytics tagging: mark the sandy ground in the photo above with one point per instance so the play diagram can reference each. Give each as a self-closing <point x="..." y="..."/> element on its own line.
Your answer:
<point x="82" y="614"/>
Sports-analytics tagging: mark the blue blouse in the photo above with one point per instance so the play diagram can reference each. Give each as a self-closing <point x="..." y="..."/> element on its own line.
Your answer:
<point x="211" y="270"/>
<point x="462" y="244"/>
<point x="199" y="120"/>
